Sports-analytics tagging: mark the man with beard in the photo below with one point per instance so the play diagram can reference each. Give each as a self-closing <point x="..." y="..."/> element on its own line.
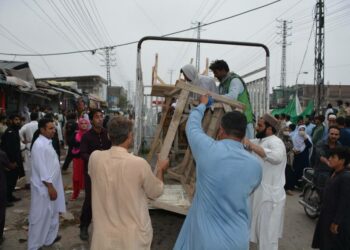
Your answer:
<point x="11" y="145"/>
<point x="119" y="202"/>
<point x="95" y="139"/>
<point x="320" y="156"/>
<point x="268" y="200"/>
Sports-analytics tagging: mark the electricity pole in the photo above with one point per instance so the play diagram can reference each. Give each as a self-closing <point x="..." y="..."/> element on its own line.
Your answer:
<point x="109" y="61"/>
<point x="198" y="51"/>
<point x="171" y="71"/>
<point x="129" y="91"/>
<point x="319" y="54"/>
<point x="284" y="33"/>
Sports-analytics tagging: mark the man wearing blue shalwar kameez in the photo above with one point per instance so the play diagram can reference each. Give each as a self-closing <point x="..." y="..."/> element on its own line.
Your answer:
<point x="227" y="174"/>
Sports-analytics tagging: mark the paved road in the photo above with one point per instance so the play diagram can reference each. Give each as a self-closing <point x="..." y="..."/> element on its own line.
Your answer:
<point x="298" y="229"/>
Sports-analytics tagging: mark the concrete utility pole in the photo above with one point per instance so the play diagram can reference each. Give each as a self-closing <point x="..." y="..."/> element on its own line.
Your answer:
<point x="319" y="55"/>
<point x="171" y="71"/>
<point x="284" y="32"/>
<point x="129" y="91"/>
<point x="198" y="52"/>
<point x="109" y="61"/>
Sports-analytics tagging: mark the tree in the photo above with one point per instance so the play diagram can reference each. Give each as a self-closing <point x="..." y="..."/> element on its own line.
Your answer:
<point x="123" y="102"/>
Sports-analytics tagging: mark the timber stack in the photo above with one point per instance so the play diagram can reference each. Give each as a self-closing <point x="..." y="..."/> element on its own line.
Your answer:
<point x="165" y="142"/>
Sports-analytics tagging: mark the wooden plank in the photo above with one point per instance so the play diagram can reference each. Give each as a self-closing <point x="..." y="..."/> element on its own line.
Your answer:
<point x="172" y="92"/>
<point x="188" y="179"/>
<point x="215" y="123"/>
<point x="177" y="171"/>
<point x="157" y="134"/>
<point x="216" y="97"/>
<point x="174" y="198"/>
<point x="226" y="107"/>
<point x="174" y="124"/>
<point x="161" y="81"/>
<point x="169" y="207"/>
<point x="162" y="89"/>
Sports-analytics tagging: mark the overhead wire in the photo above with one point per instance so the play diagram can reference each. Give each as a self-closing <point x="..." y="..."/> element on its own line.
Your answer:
<point x="261" y="29"/>
<point x="57" y="30"/>
<point x="90" y="23"/>
<point x="67" y="24"/>
<point x="98" y="17"/>
<point x="305" y="52"/>
<point x="73" y="15"/>
<point x="134" y="42"/>
<point x="143" y="11"/>
<point x="211" y="9"/>
<point x="82" y="23"/>
<point x="25" y="46"/>
<point x="218" y="7"/>
<point x="201" y="8"/>
<point x="70" y="27"/>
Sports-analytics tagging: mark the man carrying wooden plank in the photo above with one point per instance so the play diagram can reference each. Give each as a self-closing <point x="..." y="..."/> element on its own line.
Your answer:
<point x="227" y="174"/>
<point x="233" y="86"/>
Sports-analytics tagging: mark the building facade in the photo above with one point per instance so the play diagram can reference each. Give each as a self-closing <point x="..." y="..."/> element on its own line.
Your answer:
<point x="306" y="92"/>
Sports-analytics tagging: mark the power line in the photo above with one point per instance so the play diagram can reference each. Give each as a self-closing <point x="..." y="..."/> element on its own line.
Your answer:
<point x="134" y="42"/>
<point x="218" y="7"/>
<point x="79" y="20"/>
<point x="86" y="14"/>
<point x="25" y="46"/>
<point x="98" y="17"/>
<point x="307" y="47"/>
<point x="66" y="23"/>
<point x="56" y="29"/>
<point x="267" y="25"/>
<point x="147" y="16"/>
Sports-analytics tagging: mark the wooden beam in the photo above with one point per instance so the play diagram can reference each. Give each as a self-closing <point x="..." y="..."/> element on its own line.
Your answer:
<point x="174" y="124"/>
<point x="216" y="97"/>
<point x="226" y="107"/>
<point x="157" y="134"/>
<point x="169" y="207"/>
<point x="161" y="80"/>
<point x="172" y="92"/>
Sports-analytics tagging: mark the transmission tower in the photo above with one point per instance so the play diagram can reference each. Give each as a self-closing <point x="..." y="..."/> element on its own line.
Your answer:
<point x="319" y="54"/>
<point x="109" y="61"/>
<point x="198" y="51"/>
<point x="284" y="33"/>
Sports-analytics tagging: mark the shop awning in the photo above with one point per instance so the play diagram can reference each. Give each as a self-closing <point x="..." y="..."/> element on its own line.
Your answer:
<point x="66" y="91"/>
<point x="21" y="84"/>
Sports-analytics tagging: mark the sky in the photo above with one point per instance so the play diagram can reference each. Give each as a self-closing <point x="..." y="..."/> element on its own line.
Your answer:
<point x="50" y="26"/>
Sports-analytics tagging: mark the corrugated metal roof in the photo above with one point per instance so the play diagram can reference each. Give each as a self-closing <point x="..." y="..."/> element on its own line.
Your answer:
<point x="13" y="65"/>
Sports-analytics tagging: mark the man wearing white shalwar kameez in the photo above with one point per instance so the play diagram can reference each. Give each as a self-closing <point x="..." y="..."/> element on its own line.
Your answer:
<point x="47" y="194"/>
<point x="26" y="134"/>
<point x="268" y="200"/>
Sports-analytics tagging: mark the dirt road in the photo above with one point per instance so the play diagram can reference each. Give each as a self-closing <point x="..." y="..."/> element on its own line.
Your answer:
<point x="298" y="229"/>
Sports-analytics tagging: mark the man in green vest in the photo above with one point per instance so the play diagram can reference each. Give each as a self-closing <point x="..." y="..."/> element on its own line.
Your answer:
<point x="233" y="86"/>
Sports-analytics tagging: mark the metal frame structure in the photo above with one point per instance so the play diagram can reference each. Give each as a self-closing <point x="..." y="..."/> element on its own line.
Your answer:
<point x="139" y="78"/>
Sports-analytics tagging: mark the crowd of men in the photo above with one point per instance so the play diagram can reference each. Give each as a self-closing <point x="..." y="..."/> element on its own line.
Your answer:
<point x="242" y="175"/>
